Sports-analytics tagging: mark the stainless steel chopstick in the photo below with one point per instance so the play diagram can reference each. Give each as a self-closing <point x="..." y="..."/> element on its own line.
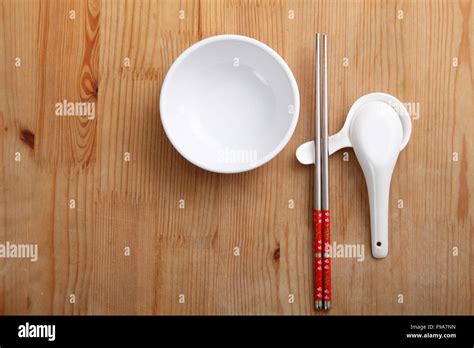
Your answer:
<point x="325" y="186"/>
<point x="324" y="147"/>
<point x="317" y="213"/>
<point x="317" y="135"/>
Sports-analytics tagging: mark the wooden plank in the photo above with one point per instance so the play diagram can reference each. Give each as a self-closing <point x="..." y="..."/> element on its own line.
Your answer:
<point x="182" y="225"/>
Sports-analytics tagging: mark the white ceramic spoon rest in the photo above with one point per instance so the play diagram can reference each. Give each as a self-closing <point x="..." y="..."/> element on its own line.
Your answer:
<point x="378" y="127"/>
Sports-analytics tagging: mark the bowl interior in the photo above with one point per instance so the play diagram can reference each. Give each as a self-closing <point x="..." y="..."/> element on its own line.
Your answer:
<point x="229" y="105"/>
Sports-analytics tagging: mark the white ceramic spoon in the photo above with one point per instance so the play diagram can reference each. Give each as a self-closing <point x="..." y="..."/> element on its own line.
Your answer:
<point x="378" y="127"/>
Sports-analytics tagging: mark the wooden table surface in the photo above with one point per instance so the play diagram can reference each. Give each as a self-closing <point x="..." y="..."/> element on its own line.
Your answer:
<point x="112" y="233"/>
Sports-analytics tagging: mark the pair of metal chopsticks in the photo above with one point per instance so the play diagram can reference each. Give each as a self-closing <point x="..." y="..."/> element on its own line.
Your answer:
<point x="321" y="213"/>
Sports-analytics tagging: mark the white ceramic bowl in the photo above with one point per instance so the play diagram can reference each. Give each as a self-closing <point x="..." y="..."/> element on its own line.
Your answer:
<point x="229" y="104"/>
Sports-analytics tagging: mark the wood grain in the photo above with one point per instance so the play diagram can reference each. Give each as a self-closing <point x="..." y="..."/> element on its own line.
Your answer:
<point x="190" y="251"/>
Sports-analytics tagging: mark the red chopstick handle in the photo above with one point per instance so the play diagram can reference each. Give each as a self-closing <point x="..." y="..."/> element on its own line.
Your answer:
<point x="326" y="256"/>
<point x="318" y="255"/>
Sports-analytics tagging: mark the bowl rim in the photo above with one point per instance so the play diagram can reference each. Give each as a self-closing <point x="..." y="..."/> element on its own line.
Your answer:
<point x="289" y="74"/>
